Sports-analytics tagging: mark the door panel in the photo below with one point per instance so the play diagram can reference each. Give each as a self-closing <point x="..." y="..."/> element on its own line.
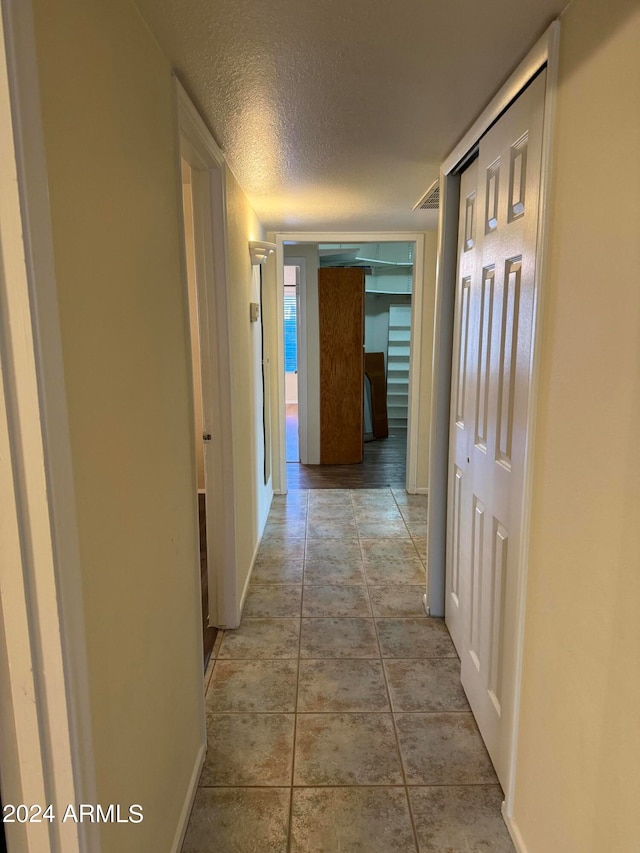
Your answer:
<point x="341" y="328"/>
<point x="491" y="370"/>
<point x="459" y="513"/>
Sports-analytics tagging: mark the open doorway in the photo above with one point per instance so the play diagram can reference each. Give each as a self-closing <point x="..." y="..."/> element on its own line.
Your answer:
<point x="389" y="350"/>
<point x="291" y="310"/>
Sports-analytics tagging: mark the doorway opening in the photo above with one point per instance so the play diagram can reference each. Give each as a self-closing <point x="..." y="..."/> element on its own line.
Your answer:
<point x="384" y="404"/>
<point x="291" y="309"/>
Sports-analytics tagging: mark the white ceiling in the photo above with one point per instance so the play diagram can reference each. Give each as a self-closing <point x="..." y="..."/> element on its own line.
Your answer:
<point x="335" y="114"/>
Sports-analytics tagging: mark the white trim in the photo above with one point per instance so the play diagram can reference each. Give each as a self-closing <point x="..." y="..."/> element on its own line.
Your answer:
<point x="544" y="52"/>
<point x="415" y="362"/>
<point x="551" y="85"/>
<point x="303" y="380"/>
<point x="417" y="237"/>
<point x="187" y="806"/>
<point x="279" y="422"/>
<point x="514" y="832"/>
<point x="200" y="151"/>
<point x="46" y="753"/>
<point x="422" y="490"/>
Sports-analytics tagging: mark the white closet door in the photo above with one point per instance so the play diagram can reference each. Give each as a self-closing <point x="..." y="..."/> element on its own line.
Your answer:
<point x="462" y="424"/>
<point x="492" y="373"/>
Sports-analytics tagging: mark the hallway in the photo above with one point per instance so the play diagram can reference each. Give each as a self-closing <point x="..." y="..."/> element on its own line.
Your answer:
<point x="335" y="717"/>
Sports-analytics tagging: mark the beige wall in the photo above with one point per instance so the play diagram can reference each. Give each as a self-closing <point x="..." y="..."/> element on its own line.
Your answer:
<point x="253" y="496"/>
<point x="115" y="200"/>
<point x="578" y="776"/>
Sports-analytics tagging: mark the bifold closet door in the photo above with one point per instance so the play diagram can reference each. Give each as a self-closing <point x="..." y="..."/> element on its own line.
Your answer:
<point x="489" y="413"/>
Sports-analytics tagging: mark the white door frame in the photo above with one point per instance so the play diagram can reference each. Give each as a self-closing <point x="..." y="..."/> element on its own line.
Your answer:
<point x="198" y="148"/>
<point x="46" y="744"/>
<point x="545" y="52"/>
<point x="417" y="237"/>
<point x="301" y="330"/>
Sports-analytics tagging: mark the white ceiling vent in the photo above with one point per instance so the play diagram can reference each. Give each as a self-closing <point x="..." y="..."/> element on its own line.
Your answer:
<point x="431" y="199"/>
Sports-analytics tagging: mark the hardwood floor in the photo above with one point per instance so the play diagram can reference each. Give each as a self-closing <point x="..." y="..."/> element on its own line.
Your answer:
<point x="384" y="465"/>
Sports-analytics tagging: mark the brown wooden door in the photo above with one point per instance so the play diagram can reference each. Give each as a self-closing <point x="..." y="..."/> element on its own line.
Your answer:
<point x="341" y="321"/>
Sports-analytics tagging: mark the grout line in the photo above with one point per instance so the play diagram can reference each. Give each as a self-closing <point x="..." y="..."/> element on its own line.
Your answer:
<point x="295" y="701"/>
<point x="393" y="722"/>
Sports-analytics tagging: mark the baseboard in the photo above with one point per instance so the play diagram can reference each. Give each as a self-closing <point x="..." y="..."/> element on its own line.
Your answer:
<point x="248" y="580"/>
<point x="514" y="832"/>
<point x="185" y="812"/>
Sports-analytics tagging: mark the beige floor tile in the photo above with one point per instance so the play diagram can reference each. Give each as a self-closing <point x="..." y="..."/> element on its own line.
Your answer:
<point x="283" y="513"/>
<point x="353" y="820"/>
<point x="331" y="550"/>
<point x="421" y="546"/>
<point x="331" y="528"/>
<point x="403" y="498"/>
<point x="369" y="512"/>
<point x="426" y="685"/>
<point x="336" y="600"/>
<point x="382" y="571"/>
<point x="258" y="686"/>
<point x="388" y="550"/>
<point x="423" y="637"/>
<point x="338" y="637"/>
<point x="382" y="529"/>
<point x="464" y="818"/>
<point x="414" y="514"/>
<point x="275" y="600"/>
<point x="346" y="749"/>
<point x="289" y="549"/>
<point x="329" y="497"/>
<point x="248" y="749"/>
<point x="330" y="512"/>
<point x="262" y="638"/>
<point x="342" y="685"/>
<point x="382" y="502"/>
<point x="334" y="571"/>
<point x="280" y="571"/>
<point x="397" y="600"/>
<point x="280" y="531"/>
<point x="214" y="826"/>
<point x="340" y="558"/>
<point x="443" y="749"/>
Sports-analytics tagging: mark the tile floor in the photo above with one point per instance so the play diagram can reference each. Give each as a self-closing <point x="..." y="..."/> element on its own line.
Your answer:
<point x="335" y="717"/>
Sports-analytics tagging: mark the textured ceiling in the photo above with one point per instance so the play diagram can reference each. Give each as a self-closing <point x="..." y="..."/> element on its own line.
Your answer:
<point x="335" y="115"/>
